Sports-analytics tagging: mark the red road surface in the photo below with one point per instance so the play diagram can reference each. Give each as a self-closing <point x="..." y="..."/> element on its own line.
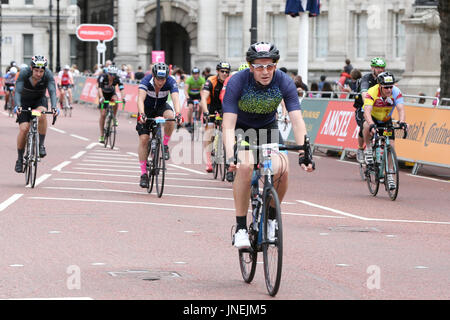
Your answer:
<point x="87" y="230"/>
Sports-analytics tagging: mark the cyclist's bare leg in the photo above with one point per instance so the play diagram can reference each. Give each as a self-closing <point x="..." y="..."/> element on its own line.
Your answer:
<point x="62" y="94"/>
<point x="6" y="97"/>
<point x="114" y="105"/>
<point x="42" y="122"/>
<point x="241" y="184"/>
<point x="367" y="134"/>
<point x="101" y="121"/>
<point x="169" y="125"/>
<point x="190" y="110"/>
<point x="143" y="147"/>
<point x="280" y="166"/>
<point x="207" y="145"/>
<point x="24" y="127"/>
<point x="69" y="90"/>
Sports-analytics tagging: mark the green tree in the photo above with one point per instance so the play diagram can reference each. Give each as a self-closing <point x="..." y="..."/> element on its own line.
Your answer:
<point x="444" y="31"/>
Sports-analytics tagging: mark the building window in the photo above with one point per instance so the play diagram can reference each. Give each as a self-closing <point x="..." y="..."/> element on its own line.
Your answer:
<point x="73" y="2"/>
<point x="279" y="32"/>
<point x="5" y="2"/>
<point x="361" y="35"/>
<point x="321" y="36"/>
<point x="234" y="36"/>
<point x="73" y="49"/>
<point x="27" y="48"/>
<point x="399" y="36"/>
<point x="28" y="1"/>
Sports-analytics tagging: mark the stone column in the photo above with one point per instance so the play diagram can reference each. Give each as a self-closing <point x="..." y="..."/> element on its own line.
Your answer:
<point x="127" y="51"/>
<point x="207" y="34"/>
<point x="337" y="11"/>
<point x="423" y="43"/>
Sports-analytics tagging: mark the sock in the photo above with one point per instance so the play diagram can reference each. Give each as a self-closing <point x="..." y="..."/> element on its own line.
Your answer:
<point x="143" y="165"/>
<point x="166" y="140"/>
<point x="41" y="139"/>
<point x="241" y="223"/>
<point x="272" y="213"/>
<point x="20" y="153"/>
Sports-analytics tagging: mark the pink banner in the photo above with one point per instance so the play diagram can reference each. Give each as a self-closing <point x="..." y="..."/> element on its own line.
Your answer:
<point x="158" y="56"/>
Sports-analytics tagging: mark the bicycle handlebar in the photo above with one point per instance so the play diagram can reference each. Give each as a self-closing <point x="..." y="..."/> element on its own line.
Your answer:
<point x="405" y="130"/>
<point x="42" y="112"/>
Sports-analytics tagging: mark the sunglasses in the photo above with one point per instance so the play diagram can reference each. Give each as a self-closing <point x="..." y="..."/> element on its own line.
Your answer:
<point x="387" y="87"/>
<point x="261" y="67"/>
<point x="225" y="71"/>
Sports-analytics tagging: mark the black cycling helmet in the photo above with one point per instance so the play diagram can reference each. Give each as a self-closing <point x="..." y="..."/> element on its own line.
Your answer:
<point x="13" y="64"/>
<point x="38" y="62"/>
<point x="160" y="70"/>
<point x="195" y="70"/>
<point x="223" y="66"/>
<point x="386" y="79"/>
<point x="260" y="50"/>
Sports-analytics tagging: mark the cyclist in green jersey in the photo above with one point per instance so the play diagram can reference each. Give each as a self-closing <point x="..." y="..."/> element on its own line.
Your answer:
<point x="192" y="88"/>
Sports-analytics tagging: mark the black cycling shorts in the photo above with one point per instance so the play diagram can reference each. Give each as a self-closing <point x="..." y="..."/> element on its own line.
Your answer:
<point x="26" y="116"/>
<point x="384" y="124"/>
<point x="359" y="117"/>
<point x="107" y="97"/>
<point x="145" y="128"/>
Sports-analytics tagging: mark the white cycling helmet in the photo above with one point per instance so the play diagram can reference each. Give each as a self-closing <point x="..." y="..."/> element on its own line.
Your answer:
<point x="13" y="70"/>
<point x="66" y="67"/>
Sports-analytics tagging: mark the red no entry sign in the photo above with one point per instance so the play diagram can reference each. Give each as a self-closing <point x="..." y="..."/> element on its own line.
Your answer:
<point x="96" y="32"/>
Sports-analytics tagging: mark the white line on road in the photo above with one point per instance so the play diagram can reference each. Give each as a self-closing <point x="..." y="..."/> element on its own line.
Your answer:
<point x="93" y="144"/>
<point x="78" y="155"/>
<point x="40" y="180"/>
<point x="133" y="154"/>
<point x="433" y="179"/>
<point x="57" y="130"/>
<point x="104" y="165"/>
<point x="10" y="201"/>
<point x="368" y="219"/>
<point x="96" y="153"/>
<point x="167" y="178"/>
<point x="111" y="161"/>
<point x="190" y="170"/>
<point x="137" y="170"/>
<point x="79" y="137"/>
<point x="61" y="165"/>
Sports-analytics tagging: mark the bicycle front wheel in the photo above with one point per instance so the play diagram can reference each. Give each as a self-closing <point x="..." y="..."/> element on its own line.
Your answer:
<point x="160" y="169"/>
<point x="34" y="161"/>
<point x="272" y="243"/>
<point x="112" y="134"/>
<point x="107" y="129"/>
<point x="391" y="170"/>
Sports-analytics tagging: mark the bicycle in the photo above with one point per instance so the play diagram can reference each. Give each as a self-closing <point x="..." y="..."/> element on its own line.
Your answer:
<point x="385" y="164"/>
<point x="156" y="163"/>
<point x="196" y="125"/>
<point x="258" y="227"/>
<point x="110" y="130"/>
<point x="31" y="157"/>
<point x="218" y="157"/>
<point x="10" y="106"/>
<point x="67" y="108"/>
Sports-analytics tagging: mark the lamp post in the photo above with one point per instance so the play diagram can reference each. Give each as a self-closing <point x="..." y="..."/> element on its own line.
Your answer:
<point x="158" y="25"/>
<point x="50" y="32"/>
<point x="58" y="58"/>
<point x="253" y="28"/>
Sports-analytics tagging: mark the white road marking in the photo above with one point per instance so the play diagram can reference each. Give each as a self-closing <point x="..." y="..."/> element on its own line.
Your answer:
<point x="428" y="178"/>
<point x="78" y="155"/>
<point x="112" y="155"/>
<point x="369" y="219"/>
<point x="79" y="137"/>
<point x="109" y="165"/>
<point x="16" y="265"/>
<point x="57" y="130"/>
<point x="133" y="154"/>
<point x="345" y="161"/>
<point x="122" y="182"/>
<point x="61" y="298"/>
<point x="187" y="169"/>
<point x="110" y="161"/>
<point x="5" y="204"/>
<point x="40" y="180"/>
<point x="61" y="165"/>
<point x="137" y="170"/>
<point x="92" y="145"/>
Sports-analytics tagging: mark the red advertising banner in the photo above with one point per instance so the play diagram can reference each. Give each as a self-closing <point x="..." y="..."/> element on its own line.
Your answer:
<point x="2" y="92"/>
<point x="338" y="127"/>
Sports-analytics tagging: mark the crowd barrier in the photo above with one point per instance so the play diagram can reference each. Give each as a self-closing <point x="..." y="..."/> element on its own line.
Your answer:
<point x="331" y="123"/>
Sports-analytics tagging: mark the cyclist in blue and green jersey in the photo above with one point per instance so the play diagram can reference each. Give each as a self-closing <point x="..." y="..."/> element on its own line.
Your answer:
<point x="192" y="88"/>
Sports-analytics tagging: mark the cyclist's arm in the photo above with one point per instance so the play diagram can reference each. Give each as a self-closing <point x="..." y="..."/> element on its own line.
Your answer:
<point x="186" y="90"/>
<point x="19" y="89"/>
<point x="99" y="88"/>
<point x="298" y="127"/>
<point x="141" y="98"/>
<point x="401" y="112"/>
<point x="176" y="101"/>
<point x="51" y="87"/>
<point x="204" y="94"/>
<point x="228" y="125"/>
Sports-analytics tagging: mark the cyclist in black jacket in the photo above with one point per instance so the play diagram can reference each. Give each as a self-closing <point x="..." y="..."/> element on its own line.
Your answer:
<point x="31" y="87"/>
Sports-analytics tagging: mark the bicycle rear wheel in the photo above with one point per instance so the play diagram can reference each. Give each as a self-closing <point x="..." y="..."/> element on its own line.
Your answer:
<point x="391" y="168"/>
<point x="215" y="159"/>
<point x="362" y="171"/>
<point x="248" y="258"/>
<point x="160" y="169"/>
<point x="272" y="248"/>
<point x="372" y="179"/>
<point x="150" y="168"/>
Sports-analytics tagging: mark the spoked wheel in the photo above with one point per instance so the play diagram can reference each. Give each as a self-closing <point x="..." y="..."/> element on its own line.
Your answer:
<point x="160" y="169"/>
<point x="34" y="162"/>
<point x="112" y="133"/>
<point x="215" y="165"/>
<point x="373" y="182"/>
<point x="248" y="258"/>
<point x="391" y="169"/>
<point x="150" y="168"/>
<point x="107" y="130"/>
<point x="223" y="170"/>
<point x="362" y="171"/>
<point x="272" y="248"/>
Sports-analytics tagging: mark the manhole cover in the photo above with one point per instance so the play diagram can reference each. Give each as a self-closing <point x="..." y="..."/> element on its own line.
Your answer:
<point x="149" y="275"/>
<point x="354" y="229"/>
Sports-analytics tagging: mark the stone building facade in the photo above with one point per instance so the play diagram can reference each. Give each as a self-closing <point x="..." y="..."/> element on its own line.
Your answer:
<point x="202" y="32"/>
